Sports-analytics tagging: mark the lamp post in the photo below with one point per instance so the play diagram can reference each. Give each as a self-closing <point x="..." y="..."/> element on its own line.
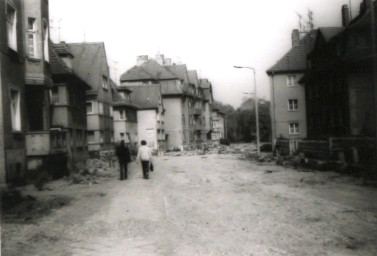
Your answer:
<point x="256" y="107"/>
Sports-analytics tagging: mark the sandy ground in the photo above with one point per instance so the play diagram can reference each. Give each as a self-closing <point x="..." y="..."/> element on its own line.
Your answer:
<point x="205" y="205"/>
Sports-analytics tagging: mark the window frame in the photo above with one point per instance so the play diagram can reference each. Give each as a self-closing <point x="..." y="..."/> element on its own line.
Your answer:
<point x="296" y="130"/>
<point x="105" y="82"/>
<point x="124" y="116"/>
<point x="11" y="23"/>
<point x="16" y="120"/>
<point x="291" y="80"/>
<point x="291" y="107"/>
<point x="33" y="33"/>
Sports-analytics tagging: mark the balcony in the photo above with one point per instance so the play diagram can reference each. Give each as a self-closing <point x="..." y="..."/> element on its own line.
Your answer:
<point x="41" y="143"/>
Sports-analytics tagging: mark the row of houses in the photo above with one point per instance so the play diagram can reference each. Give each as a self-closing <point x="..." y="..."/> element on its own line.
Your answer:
<point x="323" y="90"/>
<point x="59" y="104"/>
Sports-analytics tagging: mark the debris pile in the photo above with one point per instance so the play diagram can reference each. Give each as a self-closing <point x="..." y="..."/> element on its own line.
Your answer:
<point x="93" y="170"/>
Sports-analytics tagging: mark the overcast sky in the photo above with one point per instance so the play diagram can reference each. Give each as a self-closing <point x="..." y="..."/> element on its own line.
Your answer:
<point x="210" y="36"/>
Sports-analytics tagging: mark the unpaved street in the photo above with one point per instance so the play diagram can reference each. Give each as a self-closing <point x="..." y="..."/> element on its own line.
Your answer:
<point x="206" y="205"/>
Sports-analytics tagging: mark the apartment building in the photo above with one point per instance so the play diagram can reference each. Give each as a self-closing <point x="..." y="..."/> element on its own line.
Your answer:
<point x="90" y="64"/>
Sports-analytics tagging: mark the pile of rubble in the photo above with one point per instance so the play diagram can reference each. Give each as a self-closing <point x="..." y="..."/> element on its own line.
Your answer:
<point x="93" y="170"/>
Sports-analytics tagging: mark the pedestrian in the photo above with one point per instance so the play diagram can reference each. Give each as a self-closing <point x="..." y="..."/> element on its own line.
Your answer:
<point x="144" y="155"/>
<point x="123" y="154"/>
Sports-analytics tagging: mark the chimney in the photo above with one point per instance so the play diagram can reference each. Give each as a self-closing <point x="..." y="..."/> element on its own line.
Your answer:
<point x="160" y="59"/>
<point x="141" y="59"/>
<point x="295" y="38"/>
<point x="345" y="15"/>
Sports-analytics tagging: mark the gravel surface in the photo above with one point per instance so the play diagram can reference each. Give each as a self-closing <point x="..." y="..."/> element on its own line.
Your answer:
<point x="204" y="205"/>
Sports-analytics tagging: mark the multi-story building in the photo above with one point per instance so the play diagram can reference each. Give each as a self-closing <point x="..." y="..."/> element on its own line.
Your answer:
<point x="68" y="101"/>
<point x="339" y="89"/>
<point x="206" y="87"/>
<point x="150" y="115"/>
<point x="218" y="125"/>
<point x="90" y="64"/>
<point x="182" y="98"/>
<point x="125" y="116"/>
<point x="288" y="111"/>
<point x="13" y="124"/>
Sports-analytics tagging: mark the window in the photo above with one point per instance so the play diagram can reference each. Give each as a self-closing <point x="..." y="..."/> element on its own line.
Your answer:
<point x="122" y="135"/>
<point x="122" y="115"/>
<point x="90" y="136"/>
<point x="15" y="109"/>
<point x="105" y="82"/>
<point x="31" y="38"/>
<point x="183" y="119"/>
<point x="291" y="80"/>
<point x="54" y="95"/>
<point x="111" y="111"/>
<point x="293" y="104"/>
<point x="294" y="128"/>
<point x="11" y="27"/>
<point x="45" y="41"/>
<point x="89" y="107"/>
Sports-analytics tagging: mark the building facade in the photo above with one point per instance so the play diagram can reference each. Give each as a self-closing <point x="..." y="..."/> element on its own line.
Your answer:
<point x="68" y="101"/>
<point x="218" y="126"/>
<point x="90" y="64"/>
<point x="340" y="90"/>
<point x="288" y="107"/>
<point x="150" y="116"/>
<point x="183" y="99"/>
<point x="125" y="116"/>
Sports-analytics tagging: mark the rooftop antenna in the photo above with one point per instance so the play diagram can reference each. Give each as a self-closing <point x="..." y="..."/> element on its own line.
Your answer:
<point x="310" y="20"/>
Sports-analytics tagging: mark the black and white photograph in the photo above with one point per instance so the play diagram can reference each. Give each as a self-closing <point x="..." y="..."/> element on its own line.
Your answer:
<point x="188" y="127"/>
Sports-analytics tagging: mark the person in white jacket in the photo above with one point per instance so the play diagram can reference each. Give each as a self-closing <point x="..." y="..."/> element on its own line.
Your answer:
<point x="144" y="155"/>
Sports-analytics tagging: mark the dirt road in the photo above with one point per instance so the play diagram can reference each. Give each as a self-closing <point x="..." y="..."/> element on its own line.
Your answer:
<point x="206" y="205"/>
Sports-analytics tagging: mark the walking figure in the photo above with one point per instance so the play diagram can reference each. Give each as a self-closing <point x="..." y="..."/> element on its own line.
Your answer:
<point x="124" y="158"/>
<point x="144" y="155"/>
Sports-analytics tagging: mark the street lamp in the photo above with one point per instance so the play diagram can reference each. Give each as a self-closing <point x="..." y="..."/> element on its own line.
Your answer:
<point x="256" y="107"/>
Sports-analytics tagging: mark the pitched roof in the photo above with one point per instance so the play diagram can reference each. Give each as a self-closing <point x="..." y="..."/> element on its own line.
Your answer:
<point x="180" y="71"/>
<point x="150" y="70"/>
<point x="57" y="65"/>
<point x="204" y="83"/>
<point x="193" y="77"/>
<point x="118" y="99"/>
<point x="295" y="58"/>
<point x="87" y="63"/>
<point x="62" y="49"/>
<point x="329" y="32"/>
<point x="146" y="96"/>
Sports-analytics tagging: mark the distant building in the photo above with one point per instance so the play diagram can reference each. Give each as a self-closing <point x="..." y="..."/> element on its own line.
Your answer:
<point x="206" y="87"/>
<point x="125" y="116"/>
<point x="288" y="108"/>
<point x="218" y="119"/>
<point x="183" y="99"/>
<point x="150" y="115"/>
<point x="90" y="64"/>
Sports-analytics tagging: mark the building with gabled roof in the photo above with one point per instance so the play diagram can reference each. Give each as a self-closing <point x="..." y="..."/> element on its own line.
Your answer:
<point x="288" y="109"/>
<point x="340" y="90"/>
<point x="181" y="94"/>
<point x="90" y="64"/>
<point x="68" y="110"/>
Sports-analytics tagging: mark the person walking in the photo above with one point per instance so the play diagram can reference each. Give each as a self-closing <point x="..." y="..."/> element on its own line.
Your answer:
<point x="123" y="154"/>
<point x="144" y="155"/>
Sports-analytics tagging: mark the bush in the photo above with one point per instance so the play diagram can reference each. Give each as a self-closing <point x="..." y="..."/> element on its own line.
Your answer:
<point x="224" y="142"/>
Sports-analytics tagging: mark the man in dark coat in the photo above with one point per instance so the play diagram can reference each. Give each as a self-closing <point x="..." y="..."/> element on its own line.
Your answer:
<point x="124" y="158"/>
